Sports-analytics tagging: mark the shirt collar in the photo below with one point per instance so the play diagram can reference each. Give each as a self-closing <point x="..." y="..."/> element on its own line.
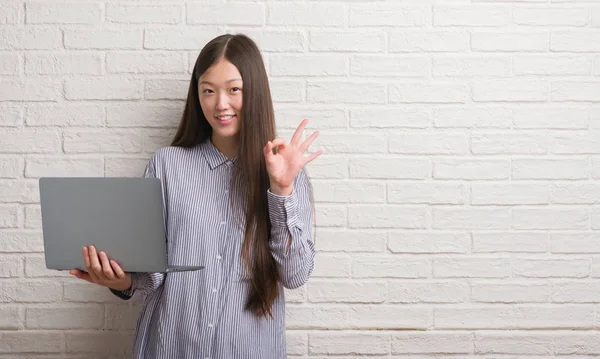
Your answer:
<point x="213" y="156"/>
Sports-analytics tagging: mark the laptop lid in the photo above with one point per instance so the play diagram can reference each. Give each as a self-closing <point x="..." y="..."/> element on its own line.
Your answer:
<point x="120" y="216"/>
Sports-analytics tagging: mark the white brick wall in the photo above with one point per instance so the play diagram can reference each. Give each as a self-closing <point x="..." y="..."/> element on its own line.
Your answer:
<point x="457" y="205"/>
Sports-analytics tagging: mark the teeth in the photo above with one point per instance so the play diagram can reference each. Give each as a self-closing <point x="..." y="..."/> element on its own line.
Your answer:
<point x="225" y="118"/>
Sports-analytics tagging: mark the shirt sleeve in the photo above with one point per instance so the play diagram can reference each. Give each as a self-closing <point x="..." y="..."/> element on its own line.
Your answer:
<point x="143" y="283"/>
<point x="291" y="221"/>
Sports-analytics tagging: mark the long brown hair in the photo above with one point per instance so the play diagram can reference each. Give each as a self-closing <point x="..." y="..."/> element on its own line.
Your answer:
<point x="250" y="175"/>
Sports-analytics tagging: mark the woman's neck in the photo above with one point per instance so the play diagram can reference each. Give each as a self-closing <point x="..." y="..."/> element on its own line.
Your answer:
<point x="228" y="146"/>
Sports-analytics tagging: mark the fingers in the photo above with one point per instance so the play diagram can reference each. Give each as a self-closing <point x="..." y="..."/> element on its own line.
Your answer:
<point x="80" y="274"/>
<point x="106" y="268"/>
<point x="268" y="149"/>
<point x="76" y="272"/>
<point x="273" y="144"/>
<point x="313" y="156"/>
<point x="86" y="258"/>
<point x="298" y="133"/>
<point x="96" y="267"/>
<point x="304" y="146"/>
<point x="117" y="269"/>
<point x="100" y="269"/>
<point x="278" y="142"/>
<point x="88" y="264"/>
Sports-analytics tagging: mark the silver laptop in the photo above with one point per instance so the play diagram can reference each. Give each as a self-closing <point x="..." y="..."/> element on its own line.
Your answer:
<point x="120" y="216"/>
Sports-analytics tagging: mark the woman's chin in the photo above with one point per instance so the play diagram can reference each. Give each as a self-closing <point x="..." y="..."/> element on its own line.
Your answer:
<point x="225" y="133"/>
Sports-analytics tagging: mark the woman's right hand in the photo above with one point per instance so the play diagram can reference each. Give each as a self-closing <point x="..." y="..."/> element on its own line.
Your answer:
<point x="102" y="271"/>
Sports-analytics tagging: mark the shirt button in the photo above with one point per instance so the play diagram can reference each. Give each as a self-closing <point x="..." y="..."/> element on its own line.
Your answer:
<point x="218" y="257"/>
<point x="214" y="290"/>
<point x="210" y="325"/>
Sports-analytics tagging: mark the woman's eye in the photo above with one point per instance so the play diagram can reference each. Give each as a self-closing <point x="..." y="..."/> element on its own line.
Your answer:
<point x="235" y="89"/>
<point x="207" y="91"/>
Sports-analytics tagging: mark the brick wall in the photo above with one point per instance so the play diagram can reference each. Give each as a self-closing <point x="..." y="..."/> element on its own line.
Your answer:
<point x="457" y="202"/>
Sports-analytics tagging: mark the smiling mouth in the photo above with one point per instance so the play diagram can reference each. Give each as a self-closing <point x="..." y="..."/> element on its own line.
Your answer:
<point x="225" y="118"/>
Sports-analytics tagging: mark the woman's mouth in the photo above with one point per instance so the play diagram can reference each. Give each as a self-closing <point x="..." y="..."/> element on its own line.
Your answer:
<point x="225" y="119"/>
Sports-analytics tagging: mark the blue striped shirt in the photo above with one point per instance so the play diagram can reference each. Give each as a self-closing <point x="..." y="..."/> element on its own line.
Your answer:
<point x="200" y="314"/>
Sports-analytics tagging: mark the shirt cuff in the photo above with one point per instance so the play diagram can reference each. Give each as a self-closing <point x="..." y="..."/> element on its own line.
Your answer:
<point x="127" y="294"/>
<point x="283" y="210"/>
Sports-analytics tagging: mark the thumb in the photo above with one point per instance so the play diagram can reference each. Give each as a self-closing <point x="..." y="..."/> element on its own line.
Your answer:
<point x="268" y="149"/>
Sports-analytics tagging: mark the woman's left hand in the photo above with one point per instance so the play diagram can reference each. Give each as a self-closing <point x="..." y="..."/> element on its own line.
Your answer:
<point x="288" y="159"/>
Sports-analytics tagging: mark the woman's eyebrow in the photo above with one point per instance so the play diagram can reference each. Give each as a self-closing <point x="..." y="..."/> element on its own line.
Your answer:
<point x="209" y="83"/>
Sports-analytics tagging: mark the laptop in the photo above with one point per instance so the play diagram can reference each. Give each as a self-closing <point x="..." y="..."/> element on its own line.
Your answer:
<point x="120" y="216"/>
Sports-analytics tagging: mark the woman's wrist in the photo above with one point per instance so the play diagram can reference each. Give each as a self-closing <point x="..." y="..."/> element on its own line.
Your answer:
<point x="126" y="285"/>
<point x="282" y="191"/>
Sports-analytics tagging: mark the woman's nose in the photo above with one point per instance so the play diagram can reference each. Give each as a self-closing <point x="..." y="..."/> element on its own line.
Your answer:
<point x="222" y="102"/>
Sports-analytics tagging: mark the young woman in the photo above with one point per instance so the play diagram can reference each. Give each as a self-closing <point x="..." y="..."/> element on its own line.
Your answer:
<point x="237" y="200"/>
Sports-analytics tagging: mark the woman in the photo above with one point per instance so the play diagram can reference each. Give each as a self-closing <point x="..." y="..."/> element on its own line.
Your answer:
<point x="237" y="201"/>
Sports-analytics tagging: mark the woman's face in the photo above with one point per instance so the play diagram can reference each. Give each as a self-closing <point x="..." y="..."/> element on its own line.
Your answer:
<point x="220" y="95"/>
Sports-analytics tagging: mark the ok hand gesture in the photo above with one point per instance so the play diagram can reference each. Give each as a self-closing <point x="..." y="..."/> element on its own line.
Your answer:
<point x="285" y="162"/>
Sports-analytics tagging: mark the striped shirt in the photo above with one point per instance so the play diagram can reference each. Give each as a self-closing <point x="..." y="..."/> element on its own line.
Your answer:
<point x="200" y="314"/>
